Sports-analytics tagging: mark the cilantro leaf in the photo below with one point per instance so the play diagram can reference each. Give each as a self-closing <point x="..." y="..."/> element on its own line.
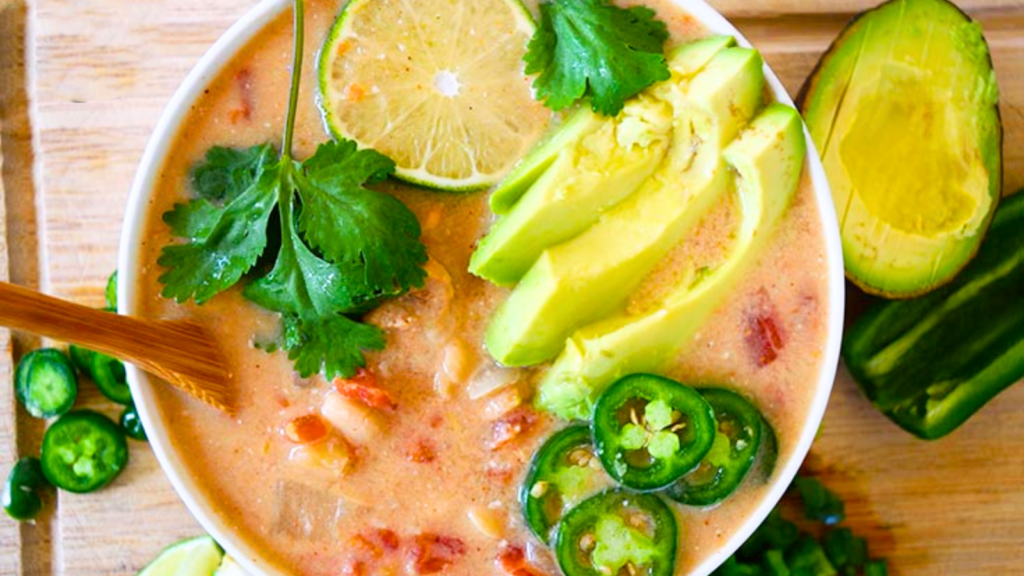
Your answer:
<point x="224" y="242"/>
<point x="352" y="225"/>
<point x="313" y="297"/>
<point x="591" y="47"/>
<point x="225" y="172"/>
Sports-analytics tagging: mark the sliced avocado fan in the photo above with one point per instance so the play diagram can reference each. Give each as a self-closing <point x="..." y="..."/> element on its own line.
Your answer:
<point x="591" y="276"/>
<point x="903" y="110"/>
<point x="767" y="162"/>
<point x="583" y="168"/>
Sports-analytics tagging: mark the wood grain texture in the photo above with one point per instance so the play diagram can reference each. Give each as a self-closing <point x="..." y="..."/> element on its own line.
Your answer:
<point x="104" y="70"/>
<point x="10" y="535"/>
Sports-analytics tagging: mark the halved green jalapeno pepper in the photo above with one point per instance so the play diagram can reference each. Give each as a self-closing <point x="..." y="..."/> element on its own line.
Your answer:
<point x="83" y="451"/>
<point x="21" y="498"/>
<point x="736" y="446"/>
<point x="107" y="373"/>
<point x="564" y="471"/>
<point x="650" y="430"/>
<point x="45" y="383"/>
<point x="132" y="424"/>
<point x="618" y="532"/>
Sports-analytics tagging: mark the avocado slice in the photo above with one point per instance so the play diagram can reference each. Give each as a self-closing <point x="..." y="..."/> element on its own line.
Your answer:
<point x="903" y="110"/>
<point x="592" y="275"/>
<point x="586" y="166"/>
<point x="590" y="175"/>
<point x="766" y="161"/>
<point x="575" y="127"/>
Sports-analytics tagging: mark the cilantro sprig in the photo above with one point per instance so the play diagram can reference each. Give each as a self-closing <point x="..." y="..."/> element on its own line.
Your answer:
<point x="341" y="248"/>
<point x="593" y="48"/>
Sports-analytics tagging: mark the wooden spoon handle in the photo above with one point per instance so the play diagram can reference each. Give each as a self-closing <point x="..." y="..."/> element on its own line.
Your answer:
<point x="119" y="336"/>
<point x="179" y="352"/>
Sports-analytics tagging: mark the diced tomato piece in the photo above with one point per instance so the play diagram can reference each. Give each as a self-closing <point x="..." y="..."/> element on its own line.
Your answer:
<point x="306" y="429"/>
<point x="763" y="334"/>
<point x="354" y="568"/>
<point x="512" y="560"/>
<point x="432" y="553"/>
<point x="511" y="426"/>
<point x="243" y="79"/>
<point x="388" y="539"/>
<point x="363" y="388"/>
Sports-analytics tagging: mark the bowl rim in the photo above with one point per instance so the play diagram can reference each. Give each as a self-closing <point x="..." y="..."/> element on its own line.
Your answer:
<point x="219" y="55"/>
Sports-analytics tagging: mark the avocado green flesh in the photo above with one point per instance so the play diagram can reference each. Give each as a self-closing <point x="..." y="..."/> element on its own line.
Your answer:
<point x="903" y="111"/>
<point x="583" y="168"/>
<point x="591" y="276"/>
<point x="767" y="159"/>
<point x="576" y="126"/>
<point x="590" y="175"/>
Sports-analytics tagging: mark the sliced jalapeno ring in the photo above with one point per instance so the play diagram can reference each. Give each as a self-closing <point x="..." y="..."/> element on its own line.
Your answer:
<point x="21" y="498"/>
<point x="83" y="451"/>
<point x="132" y="424"/>
<point x="564" y="471"/>
<point x="736" y="446"/>
<point x="618" y="532"/>
<point x="650" y="430"/>
<point x="45" y="383"/>
<point x="106" y="372"/>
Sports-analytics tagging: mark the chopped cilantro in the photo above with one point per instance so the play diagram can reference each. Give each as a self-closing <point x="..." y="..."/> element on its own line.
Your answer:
<point x="779" y="548"/>
<point x="819" y="502"/>
<point x="343" y="247"/>
<point x="593" y="48"/>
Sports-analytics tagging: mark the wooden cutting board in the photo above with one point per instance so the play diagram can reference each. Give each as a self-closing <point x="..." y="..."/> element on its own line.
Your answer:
<point x="101" y="72"/>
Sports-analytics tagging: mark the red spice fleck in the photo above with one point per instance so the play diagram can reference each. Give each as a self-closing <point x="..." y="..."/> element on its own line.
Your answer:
<point x="432" y="553"/>
<point x="511" y="426"/>
<point x="420" y="451"/>
<point x="363" y="388"/>
<point x="763" y="335"/>
<point x="243" y="79"/>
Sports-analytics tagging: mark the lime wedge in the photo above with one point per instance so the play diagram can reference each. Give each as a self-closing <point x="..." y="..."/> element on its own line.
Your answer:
<point x="193" y="557"/>
<point x="436" y="85"/>
<point x="228" y="567"/>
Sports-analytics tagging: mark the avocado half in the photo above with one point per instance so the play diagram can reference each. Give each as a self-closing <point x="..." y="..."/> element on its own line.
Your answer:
<point x="903" y="108"/>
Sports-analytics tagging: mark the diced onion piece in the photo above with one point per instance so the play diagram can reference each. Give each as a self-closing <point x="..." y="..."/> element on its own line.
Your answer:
<point x="353" y="420"/>
<point x="491" y="378"/>
<point x="486" y="521"/>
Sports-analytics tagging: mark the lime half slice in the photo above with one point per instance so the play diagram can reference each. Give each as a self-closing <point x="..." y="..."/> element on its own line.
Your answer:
<point x="436" y="85"/>
<point x="194" y="557"/>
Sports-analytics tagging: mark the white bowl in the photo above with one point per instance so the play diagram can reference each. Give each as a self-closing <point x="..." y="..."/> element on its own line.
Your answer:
<point x="188" y="487"/>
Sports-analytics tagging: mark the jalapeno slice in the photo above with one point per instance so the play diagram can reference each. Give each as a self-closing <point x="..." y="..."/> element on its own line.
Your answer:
<point x="564" y="471"/>
<point x="21" y="498"/>
<point x="618" y="532"/>
<point x="83" y="451"/>
<point x="132" y="424"/>
<point x="107" y="373"/>
<point x="45" y="383"/>
<point x="736" y="446"/>
<point x="650" y="430"/>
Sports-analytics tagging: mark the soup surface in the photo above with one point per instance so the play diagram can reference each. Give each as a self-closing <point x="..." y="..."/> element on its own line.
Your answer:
<point x="439" y="475"/>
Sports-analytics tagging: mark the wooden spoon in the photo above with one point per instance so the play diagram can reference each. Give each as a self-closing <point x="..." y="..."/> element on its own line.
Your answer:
<point x="179" y="352"/>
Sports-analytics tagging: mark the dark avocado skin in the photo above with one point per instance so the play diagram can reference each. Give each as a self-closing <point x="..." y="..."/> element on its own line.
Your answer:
<point x="810" y="87"/>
